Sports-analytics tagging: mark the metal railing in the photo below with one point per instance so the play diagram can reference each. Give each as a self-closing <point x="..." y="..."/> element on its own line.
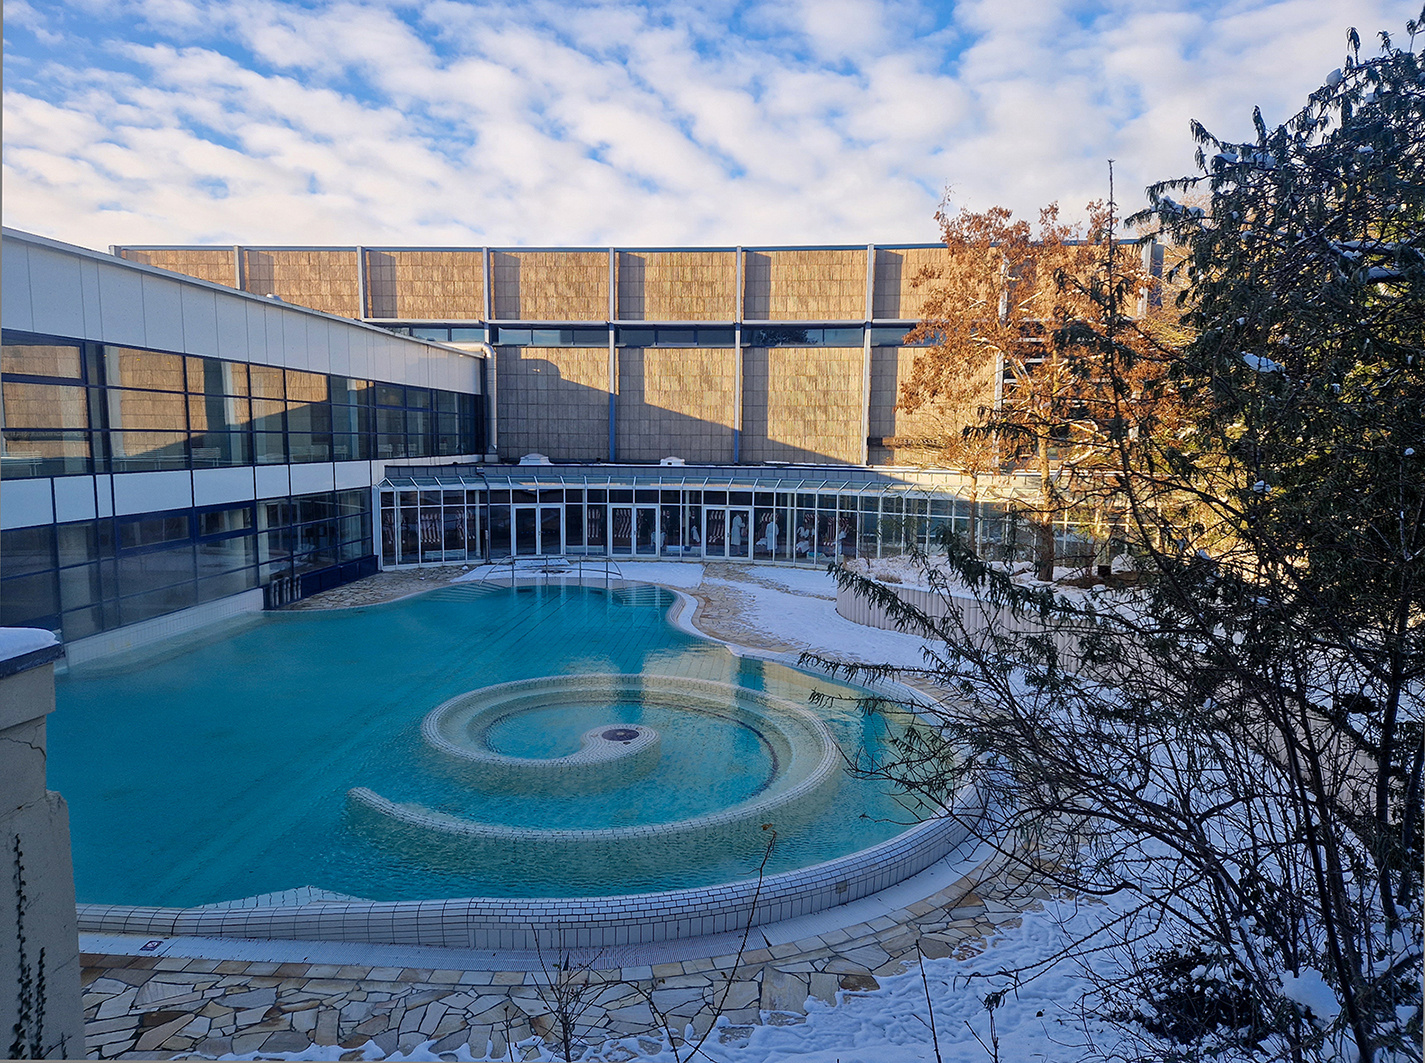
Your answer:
<point x="547" y="566"/>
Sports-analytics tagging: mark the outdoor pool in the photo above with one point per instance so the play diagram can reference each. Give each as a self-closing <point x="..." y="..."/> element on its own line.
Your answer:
<point x="247" y="762"/>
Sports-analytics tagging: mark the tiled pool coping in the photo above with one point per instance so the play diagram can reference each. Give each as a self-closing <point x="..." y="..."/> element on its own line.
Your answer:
<point x="581" y="922"/>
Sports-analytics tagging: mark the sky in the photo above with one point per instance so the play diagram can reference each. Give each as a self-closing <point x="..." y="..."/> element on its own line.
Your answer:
<point x="535" y="123"/>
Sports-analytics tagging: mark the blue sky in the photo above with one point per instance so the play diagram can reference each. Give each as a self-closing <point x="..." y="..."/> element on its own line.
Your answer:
<point x="541" y="123"/>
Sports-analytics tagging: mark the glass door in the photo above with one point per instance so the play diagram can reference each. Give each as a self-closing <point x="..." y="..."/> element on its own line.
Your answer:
<point x="551" y="528"/>
<point x="645" y="539"/>
<point x="526" y="532"/>
<point x="621" y="530"/>
<point x="714" y="532"/>
<point x="739" y="533"/>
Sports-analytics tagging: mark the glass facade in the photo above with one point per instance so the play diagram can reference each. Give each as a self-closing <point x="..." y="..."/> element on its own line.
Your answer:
<point x="69" y="407"/>
<point x="88" y="576"/>
<point x="458" y="514"/>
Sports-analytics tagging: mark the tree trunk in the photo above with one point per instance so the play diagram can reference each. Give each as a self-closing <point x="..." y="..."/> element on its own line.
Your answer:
<point x="973" y="538"/>
<point x="1044" y="524"/>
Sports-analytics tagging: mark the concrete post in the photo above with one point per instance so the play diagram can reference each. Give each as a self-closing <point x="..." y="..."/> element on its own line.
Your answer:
<point x="40" y="1011"/>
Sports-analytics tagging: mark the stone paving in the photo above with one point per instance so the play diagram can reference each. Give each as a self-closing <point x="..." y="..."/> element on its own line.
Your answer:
<point x="382" y="587"/>
<point x="155" y="1007"/>
<point x="164" y="1007"/>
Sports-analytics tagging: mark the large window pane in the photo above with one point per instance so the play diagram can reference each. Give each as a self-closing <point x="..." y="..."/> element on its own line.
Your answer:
<point x="143" y="451"/>
<point x="352" y="419"/>
<point x="150" y="370"/>
<point x="215" y="449"/>
<point x="78" y="543"/>
<point x="156" y="410"/>
<point x="269" y="415"/>
<point x="27" y="550"/>
<point x="37" y="360"/>
<point x="308" y="446"/>
<point x="153" y="531"/>
<point x="267" y="382"/>
<point x="44" y="405"/>
<point x="160" y="568"/>
<point x="223" y="555"/>
<point x="80" y="586"/>
<point x="42" y="453"/>
<point x="350" y="392"/>
<point x="227" y="583"/>
<point x="29" y="601"/>
<point x="211" y="376"/>
<point x="269" y="448"/>
<point x="222" y="413"/>
<point x="225" y="521"/>
<point x="156" y="603"/>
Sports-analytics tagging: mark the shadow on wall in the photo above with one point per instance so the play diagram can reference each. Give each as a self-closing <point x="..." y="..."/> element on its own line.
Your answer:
<point x="799" y="404"/>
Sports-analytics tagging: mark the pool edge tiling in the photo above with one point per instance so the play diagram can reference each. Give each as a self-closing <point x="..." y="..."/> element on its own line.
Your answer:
<point x="557" y="922"/>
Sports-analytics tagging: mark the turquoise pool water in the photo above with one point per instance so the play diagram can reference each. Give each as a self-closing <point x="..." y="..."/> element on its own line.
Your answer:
<point x="220" y="769"/>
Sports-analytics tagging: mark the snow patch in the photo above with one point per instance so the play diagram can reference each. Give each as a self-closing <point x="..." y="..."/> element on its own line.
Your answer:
<point x="18" y="641"/>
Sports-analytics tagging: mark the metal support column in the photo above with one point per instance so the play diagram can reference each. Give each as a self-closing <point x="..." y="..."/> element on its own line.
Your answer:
<point x="866" y="355"/>
<point x="741" y="297"/>
<point x="363" y="303"/>
<point x="613" y="360"/>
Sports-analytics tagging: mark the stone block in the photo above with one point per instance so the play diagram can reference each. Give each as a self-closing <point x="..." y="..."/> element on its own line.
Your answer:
<point x="823" y="987"/>
<point x="783" y="992"/>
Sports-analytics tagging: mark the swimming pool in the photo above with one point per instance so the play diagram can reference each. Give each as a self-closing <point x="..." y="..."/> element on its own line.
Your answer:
<point x="222" y="769"/>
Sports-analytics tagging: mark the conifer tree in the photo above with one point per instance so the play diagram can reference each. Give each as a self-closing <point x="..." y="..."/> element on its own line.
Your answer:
<point x="1236" y="742"/>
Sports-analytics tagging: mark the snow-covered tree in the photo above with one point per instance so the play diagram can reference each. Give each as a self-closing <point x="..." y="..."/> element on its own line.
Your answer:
<point x="1236" y="741"/>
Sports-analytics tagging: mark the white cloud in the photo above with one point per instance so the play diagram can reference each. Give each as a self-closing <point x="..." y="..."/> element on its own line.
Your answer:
<point x="437" y="121"/>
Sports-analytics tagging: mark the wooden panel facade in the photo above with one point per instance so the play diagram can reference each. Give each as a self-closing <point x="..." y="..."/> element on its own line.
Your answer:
<point x="898" y="296"/>
<point x="553" y="400"/>
<point x="426" y="285"/>
<point x="322" y="280"/>
<point x="212" y="264"/>
<point x="550" y="285"/>
<point x="678" y="402"/>
<point x="677" y="285"/>
<point x="805" y="285"/>
<point x="802" y="404"/>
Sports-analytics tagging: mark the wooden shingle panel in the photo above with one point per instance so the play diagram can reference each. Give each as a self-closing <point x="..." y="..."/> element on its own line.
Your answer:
<point x="550" y="285"/>
<point x="805" y="285"/>
<point x="677" y="285"/>
<point x="214" y="265"/>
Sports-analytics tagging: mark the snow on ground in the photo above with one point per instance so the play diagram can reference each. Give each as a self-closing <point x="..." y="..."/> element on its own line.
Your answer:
<point x="1036" y="1022"/>
<point x="684" y="575"/>
<point x="814" y="624"/>
<point x="816" y="582"/>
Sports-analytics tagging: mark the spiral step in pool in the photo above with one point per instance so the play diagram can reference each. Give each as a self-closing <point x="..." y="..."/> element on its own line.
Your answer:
<point x="805" y="770"/>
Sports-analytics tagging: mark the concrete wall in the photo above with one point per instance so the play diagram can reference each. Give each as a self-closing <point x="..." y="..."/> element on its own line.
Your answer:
<point x="61" y="290"/>
<point x="34" y="829"/>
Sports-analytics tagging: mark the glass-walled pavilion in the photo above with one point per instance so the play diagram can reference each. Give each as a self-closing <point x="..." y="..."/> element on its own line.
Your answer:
<point x="792" y="514"/>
